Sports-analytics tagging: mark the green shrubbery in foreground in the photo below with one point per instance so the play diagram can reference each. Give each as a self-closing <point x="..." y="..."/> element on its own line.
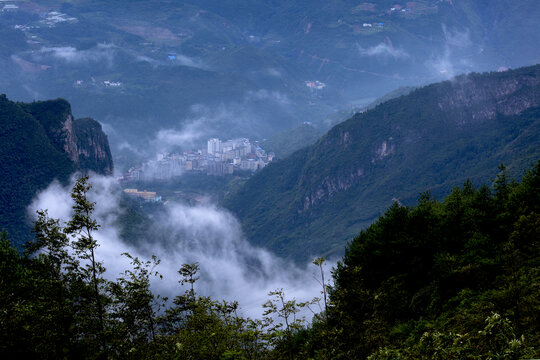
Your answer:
<point x="451" y="279"/>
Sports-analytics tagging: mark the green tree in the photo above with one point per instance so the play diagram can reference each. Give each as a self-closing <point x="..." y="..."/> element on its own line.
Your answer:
<point x="134" y="310"/>
<point x="94" y="298"/>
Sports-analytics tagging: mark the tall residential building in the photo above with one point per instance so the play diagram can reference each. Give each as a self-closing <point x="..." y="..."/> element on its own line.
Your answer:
<point x="214" y="146"/>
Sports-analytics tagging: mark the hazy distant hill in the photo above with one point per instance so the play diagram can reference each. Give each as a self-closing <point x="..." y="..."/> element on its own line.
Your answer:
<point x="241" y="66"/>
<point x="288" y="141"/>
<point x="434" y="138"/>
<point x="41" y="142"/>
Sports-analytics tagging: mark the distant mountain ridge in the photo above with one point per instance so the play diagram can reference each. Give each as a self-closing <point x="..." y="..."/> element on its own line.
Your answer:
<point x="242" y="66"/>
<point x="41" y="142"/>
<point x="434" y="138"/>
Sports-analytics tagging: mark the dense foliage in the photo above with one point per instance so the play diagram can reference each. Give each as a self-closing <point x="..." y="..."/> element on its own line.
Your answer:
<point x="29" y="160"/>
<point x="433" y="138"/>
<point x="33" y="154"/>
<point x="451" y="279"/>
<point x="55" y="303"/>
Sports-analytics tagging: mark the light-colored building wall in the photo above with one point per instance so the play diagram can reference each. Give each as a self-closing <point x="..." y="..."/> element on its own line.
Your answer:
<point x="214" y="146"/>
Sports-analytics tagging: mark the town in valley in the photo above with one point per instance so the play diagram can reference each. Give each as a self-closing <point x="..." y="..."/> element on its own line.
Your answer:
<point x="219" y="158"/>
<point x="236" y="157"/>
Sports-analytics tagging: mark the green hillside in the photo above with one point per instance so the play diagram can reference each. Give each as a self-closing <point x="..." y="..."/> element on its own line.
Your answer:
<point x="450" y="279"/>
<point x="36" y="149"/>
<point x="288" y="141"/>
<point x="443" y="280"/>
<point x="314" y="201"/>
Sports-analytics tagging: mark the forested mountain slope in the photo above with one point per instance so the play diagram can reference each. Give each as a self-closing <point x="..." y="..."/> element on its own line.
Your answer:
<point x="434" y="138"/>
<point x="450" y="279"/>
<point x="41" y="142"/>
<point x="453" y="279"/>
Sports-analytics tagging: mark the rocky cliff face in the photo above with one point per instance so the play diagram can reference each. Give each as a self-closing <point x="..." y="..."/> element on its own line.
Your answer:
<point x="431" y="139"/>
<point x="82" y="140"/>
<point x="92" y="146"/>
<point x="68" y="138"/>
<point x="41" y="143"/>
<point x="465" y="103"/>
<point x="478" y="98"/>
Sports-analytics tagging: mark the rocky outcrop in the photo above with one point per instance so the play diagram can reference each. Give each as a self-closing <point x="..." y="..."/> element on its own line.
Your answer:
<point x="55" y="117"/>
<point x="432" y="139"/>
<point x="41" y="142"/>
<point x="92" y="146"/>
<point x="82" y="140"/>
<point x="329" y="187"/>
<point x="69" y="140"/>
<point x="478" y="98"/>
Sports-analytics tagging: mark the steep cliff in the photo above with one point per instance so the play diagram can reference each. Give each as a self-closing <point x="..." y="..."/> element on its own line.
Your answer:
<point x="93" y="151"/>
<point x="41" y="142"/>
<point x="57" y="121"/>
<point x="433" y="138"/>
<point x="82" y="140"/>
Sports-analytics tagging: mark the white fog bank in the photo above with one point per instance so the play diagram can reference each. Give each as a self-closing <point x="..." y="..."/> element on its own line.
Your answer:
<point x="230" y="268"/>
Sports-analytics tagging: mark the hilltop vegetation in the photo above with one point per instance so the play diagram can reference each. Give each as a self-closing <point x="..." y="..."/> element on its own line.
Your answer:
<point x="287" y="142"/>
<point x="434" y="138"/>
<point x="450" y="279"/>
<point x="39" y="145"/>
<point x="29" y="163"/>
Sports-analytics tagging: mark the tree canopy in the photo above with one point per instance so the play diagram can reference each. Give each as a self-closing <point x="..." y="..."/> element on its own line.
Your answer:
<point x="450" y="279"/>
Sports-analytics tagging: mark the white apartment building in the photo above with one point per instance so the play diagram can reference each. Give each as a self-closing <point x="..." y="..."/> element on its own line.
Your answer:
<point x="214" y="146"/>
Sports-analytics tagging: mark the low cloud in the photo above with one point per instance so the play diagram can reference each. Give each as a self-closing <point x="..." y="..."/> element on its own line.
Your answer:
<point x="263" y="94"/>
<point x="456" y="37"/>
<point x="273" y="72"/>
<point x="188" y="61"/>
<point x="125" y="145"/>
<point x="383" y="50"/>
<point x="106" y="53"/>
<point x="442" y="65"/>
<point x="201" y="124"/>
<point x="450" y="61"/>
<point x="234" y="119"/>
<point x="188" y="136"/>
<point x="149" y="60"/>
<point x="179" y="59"/>
<point x="231" y="268"/>
<point x="102" y="53"/>
<point x="445" y="66"/>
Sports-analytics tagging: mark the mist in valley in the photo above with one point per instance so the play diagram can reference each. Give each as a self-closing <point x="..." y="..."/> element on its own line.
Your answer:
<point x="230" y="268"/>
<point x="208" y="69"/>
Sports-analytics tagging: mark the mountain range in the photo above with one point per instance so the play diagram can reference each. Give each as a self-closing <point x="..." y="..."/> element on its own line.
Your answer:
<point x="241" y="68"/>
<point x="433" y="139"/>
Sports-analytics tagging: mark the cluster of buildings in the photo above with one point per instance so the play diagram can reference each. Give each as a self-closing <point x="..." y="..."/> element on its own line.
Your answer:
<point x="315" y="85"/>
<point x="48" y="18"/>
<point x="108" y="83"/>
<point x="370" y="25"/>
<point x="220" y="158"/>
<point x="401" y="8"/>
<point x="54" y="17"/>
<point x="148" y="196"/>
<point x="24" y="27"/>
<point x="9" y="7"/>
<point x="93" y="82"/>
